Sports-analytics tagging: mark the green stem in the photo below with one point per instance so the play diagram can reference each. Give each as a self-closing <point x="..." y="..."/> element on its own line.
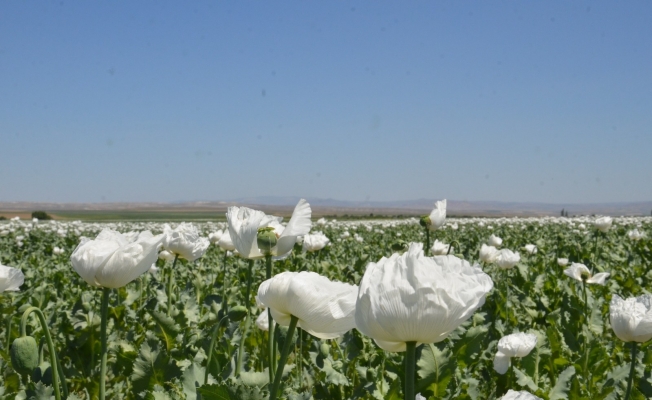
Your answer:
<point x="271" y="353"/>
<point x="211" y="346"/>
<point x="225" y="300"/>
<point x="104" y="352"/>
<point x="9" y="321"/>
<point x="176" y="257"/>
<point x="586" y="305"/>
<point x="450" y="246"/>
<point x="238" y="365"/>
<point x="426" y="251"/>
<point x="631" y="371"/>
<point x="273" y="394"/>
<point x="410" y="366"/>
<point x="300" y="358"/>
<point x="55" y="364"/>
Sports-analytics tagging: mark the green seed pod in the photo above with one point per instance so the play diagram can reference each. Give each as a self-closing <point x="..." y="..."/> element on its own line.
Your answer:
<point x="237" y="313"/>
<point x="425" y="221"/>
<point x="325" y="350"/>
<point x="399" y="246"/>
<point x="24" y="354"/>
<point x="266" y="240"/>
<point x="43" y="373"/>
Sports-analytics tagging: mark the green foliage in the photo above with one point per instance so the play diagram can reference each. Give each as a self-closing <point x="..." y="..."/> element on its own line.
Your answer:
<point x="156" y="353"/>
<point x="41" y="215"/>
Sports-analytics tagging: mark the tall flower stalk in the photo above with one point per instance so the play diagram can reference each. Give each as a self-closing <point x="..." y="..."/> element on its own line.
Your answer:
<point x="103" y="335"/>
<point x="433" y="221"/>
<point x="110" y="261"/>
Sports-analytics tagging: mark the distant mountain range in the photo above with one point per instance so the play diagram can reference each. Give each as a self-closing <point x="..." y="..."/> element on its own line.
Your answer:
<point x="284" y="204"/>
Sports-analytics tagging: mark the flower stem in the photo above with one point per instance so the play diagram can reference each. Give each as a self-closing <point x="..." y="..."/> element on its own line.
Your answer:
<point x="176" y="257"/>
<point x="104" y="352"/>
<point x="211" y="346"/>
<point x="631" y="371"/>
<point x="56" y="366"/>
<point x="426" y="251"/>
<point x="271" y="350"/>
<point x="586" y="305"/>
<point x="250" y="272"/>
<point x="410" y="366"/>
<point x="225" y="301"/>
<point x="284" y="355"/>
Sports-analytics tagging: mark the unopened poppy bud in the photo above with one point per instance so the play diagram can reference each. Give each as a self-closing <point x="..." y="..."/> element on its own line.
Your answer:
<point x="325" y="350"/>
<point x="399" y="246"/>
<point x="237" y="313"/>
<point x="425" y="221"/>
<point x="24" y="354"/>
<point x="266" y="240"/>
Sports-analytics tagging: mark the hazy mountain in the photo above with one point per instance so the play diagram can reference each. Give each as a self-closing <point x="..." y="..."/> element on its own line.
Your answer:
<point x="339" y="207"/>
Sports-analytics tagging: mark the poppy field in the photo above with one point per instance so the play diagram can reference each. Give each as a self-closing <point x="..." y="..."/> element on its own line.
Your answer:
<point x="259" y="308"/>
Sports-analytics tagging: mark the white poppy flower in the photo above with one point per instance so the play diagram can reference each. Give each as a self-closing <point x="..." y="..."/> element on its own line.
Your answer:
<point x="437" y="216"/>
<point x="166" y="255"/>
<point x="522" y="395"/>
<point x="10" y="279"/>
<point x="631" y="319"/>
<point x="314" y="242"/>
<point x="506" y="259"/>
<point x="440" y="248"/>
<point x="514" y="345"/>
<point x="562" y="262"/>
<point x="225" y="242"/>
<point x="495" y="241"/>
<point x="414" y="298"/>
<point x="262" y="322"/>
<point x="112" y="260"/>
<point x="530" y="248"/>
<point x="635" y="234"/>
<point x="603" y="223"/>
<point x="579" y="271"/>
<point x="245" y="222"/>
<point x="185" y="241"/>
<point x="214" y="237"/>
<point x="488" y="254"/>
<point x="324" y="308"/>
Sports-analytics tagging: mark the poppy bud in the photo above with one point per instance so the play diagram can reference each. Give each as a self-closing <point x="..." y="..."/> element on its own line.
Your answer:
<point x="24" y="354"/>
<point x="266" y="240"/>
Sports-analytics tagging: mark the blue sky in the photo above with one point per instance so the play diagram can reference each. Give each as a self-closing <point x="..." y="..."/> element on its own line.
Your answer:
<point x="546" y="101"/>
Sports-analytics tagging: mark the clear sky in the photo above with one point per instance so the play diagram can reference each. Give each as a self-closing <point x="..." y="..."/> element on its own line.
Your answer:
<point x="546" y="101"/>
